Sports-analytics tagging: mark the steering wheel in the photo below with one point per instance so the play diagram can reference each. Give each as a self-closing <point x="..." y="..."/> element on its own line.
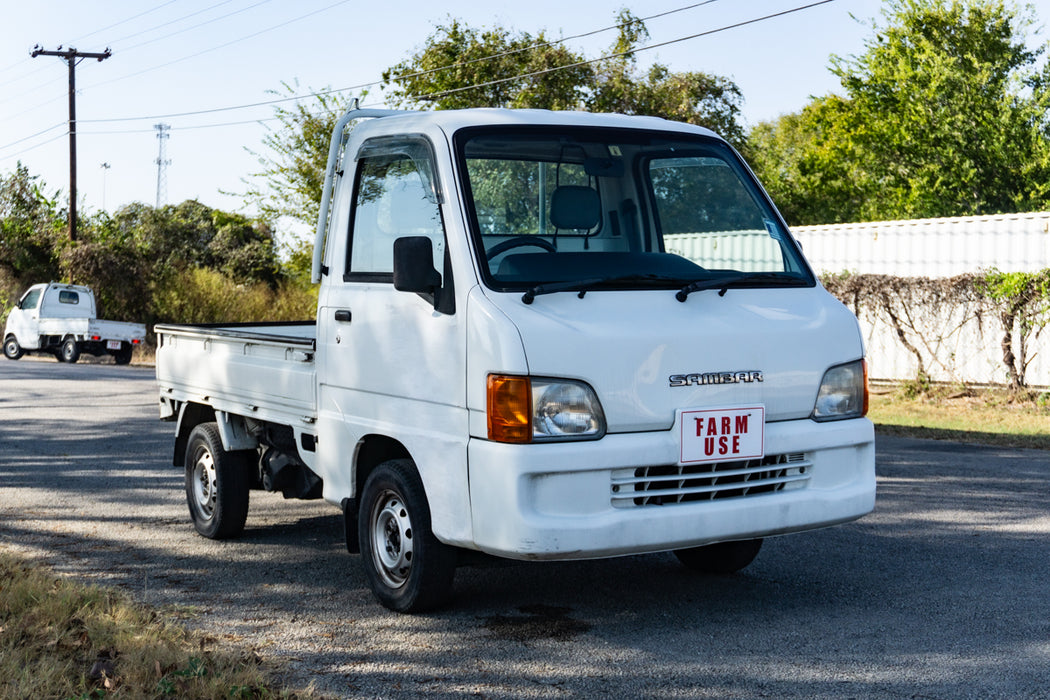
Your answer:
<point x="518" y="242"/>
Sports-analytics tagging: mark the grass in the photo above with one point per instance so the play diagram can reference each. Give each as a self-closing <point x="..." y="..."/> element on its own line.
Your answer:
<point x="989" y="416"/>
<point x="63" y="639"/>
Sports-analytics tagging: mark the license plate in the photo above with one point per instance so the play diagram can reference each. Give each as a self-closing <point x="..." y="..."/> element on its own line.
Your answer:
<point x="722" y="434"/>
<point x="113" y="345"/>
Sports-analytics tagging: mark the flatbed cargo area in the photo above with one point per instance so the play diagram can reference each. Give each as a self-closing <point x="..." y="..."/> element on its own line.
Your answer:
<point x="261" y="370"/>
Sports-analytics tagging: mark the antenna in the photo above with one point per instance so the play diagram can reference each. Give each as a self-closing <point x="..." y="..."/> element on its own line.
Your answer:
<point x="162" y="163"/>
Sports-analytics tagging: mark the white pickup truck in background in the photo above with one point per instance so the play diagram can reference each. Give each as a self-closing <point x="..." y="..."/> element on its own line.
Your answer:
<point x="59" y="319"/>
<point x="539" y="335"/>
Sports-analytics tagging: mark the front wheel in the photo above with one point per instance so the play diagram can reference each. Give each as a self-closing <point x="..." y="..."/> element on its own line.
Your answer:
<point x="217" y="484"/>
<point x="720" y="558"/>
<point x="69" y="352"/>
<point x="408" y="569"/>
<point x="12" y="350"/>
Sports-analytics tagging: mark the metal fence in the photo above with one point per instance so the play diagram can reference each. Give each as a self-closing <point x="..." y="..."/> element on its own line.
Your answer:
<point x="930" y="247"/>
<point x="957" y="348"/>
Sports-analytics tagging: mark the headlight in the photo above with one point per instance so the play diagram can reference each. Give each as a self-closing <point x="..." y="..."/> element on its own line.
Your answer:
<point x="527" y="409"/>
<point x="843" y="392"/>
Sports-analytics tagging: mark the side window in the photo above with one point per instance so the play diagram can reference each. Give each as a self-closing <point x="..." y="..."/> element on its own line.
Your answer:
<point x="395" y="196"/>
<point x="67" y="297"/>
<point x="30" y="300"/>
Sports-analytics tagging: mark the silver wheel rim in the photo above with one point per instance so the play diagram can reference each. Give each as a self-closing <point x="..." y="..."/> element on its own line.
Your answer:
<point x="11" y="348"/>
<point x="203" y="483"/>
<point x="391" y="539"/>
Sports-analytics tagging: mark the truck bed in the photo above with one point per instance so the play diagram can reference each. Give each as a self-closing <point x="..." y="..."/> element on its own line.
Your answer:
<point x="260" y="370"/>
<point x="87" y="328"/>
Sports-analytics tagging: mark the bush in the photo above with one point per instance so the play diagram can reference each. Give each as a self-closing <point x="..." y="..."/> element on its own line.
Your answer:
<point x="199" y="295"/>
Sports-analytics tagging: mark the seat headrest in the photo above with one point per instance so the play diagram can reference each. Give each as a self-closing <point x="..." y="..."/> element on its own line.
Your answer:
<point x="575" y="207"/>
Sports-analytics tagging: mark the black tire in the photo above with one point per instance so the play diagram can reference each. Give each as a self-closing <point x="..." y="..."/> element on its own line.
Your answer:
<point x="12" y="350"/>
<point x="408" y="569"/>
<point x="122" y="356"/>
<point x="217" y="484"/>
<point x="69" y="352"/>
<point x="720" y="558"/>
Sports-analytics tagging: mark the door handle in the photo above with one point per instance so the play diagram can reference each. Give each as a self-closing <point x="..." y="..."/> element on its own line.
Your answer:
<point x="343" y="316"/>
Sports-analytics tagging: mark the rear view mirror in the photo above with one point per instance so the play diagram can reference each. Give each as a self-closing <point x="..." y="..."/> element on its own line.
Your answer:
<point x="414" y="266"/>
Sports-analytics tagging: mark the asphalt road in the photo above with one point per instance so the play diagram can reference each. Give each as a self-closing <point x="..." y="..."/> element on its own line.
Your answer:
<point x="942" y="592"/>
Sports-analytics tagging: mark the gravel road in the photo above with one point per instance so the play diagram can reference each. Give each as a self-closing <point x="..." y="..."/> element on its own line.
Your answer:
<point x="943" y="592"/>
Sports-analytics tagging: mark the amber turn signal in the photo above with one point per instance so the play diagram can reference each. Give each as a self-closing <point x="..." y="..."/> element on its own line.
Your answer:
<point x="509" y="409"/>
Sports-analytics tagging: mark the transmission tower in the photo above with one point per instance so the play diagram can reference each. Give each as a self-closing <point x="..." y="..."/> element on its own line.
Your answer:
<point x="162" y="163"/>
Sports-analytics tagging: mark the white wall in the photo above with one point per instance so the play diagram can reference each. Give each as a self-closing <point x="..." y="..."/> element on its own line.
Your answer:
<point x="963" y="348"/>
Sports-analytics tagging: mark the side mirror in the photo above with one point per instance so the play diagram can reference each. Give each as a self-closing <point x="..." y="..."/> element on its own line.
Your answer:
<point x="414" y="266"/>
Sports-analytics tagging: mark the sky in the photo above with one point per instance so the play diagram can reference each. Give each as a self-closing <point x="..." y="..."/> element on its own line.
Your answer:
<point x="202" y="67"/>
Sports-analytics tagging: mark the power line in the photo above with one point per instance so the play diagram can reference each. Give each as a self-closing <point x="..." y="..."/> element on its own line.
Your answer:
<point x="620" y="54"/>
<point x="376" y="83"/>
<point x="32" y="136"/>
<point x="35" y="146"/>
<point x="194" y="127"/>
<point x="125" y="21"/>
<point x="78" y="40"/>
<point x="222" y="46"/>
<point x="190" y="28"/>
<point x="40" y="86"/>
<point x="433" y="95"/>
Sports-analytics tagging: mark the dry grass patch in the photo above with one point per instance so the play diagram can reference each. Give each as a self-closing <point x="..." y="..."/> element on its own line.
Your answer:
<point x="62" y="639"/>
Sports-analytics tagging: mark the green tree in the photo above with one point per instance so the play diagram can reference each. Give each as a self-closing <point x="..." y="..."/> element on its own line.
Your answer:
<point x="461" y="67"/>
<point x="809" y="163"/>
<point x="692" y="97"/>
<point x="31" y="224"/>
<point x="293" y="161"/>
<point x="944" y="114"/>
<point x="191" y="234"/>
<point x="941" y="95"/>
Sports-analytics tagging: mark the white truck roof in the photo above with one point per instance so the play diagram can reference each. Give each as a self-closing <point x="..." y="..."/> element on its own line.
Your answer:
<point x="454" y="119"/>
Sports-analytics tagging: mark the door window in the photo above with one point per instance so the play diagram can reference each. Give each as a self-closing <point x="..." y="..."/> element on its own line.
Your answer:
<point x="30" y="300"/>
<point x="396" y="196"/>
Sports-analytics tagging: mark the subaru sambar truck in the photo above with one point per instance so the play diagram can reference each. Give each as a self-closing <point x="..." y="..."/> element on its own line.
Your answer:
<point x="540" y="336"/>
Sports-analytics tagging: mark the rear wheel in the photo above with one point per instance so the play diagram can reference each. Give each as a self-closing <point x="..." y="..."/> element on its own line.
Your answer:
<point x="217" y="484"/>
<point x="408" y="569"/>
<point x="720" y="558"/>
<point x="69" y="351"/>
<point x="12" y="350"/>
<point x="122" y="356"/>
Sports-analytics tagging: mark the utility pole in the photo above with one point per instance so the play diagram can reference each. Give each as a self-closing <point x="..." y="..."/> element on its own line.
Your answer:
<point x="162" y="163"/>
<point x="72" y="57"/>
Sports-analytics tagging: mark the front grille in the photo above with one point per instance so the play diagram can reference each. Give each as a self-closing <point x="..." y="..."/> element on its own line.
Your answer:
<point x="669" y="484"/>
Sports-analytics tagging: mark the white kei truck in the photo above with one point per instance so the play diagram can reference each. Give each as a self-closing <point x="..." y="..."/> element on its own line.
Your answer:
<point x="540" y="336"/>
<point x="59" y="319"/>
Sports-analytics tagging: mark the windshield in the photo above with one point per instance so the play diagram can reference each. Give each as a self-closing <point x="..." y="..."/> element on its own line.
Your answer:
<point x="619" y="209"/>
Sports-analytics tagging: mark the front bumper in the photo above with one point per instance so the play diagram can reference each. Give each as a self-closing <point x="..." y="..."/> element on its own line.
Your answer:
<point x="567" y="501"/>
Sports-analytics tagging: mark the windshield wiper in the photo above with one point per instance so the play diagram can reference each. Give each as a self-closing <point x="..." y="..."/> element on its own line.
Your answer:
<point x="583" y="286"/>
<point x="722" y="284"/>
